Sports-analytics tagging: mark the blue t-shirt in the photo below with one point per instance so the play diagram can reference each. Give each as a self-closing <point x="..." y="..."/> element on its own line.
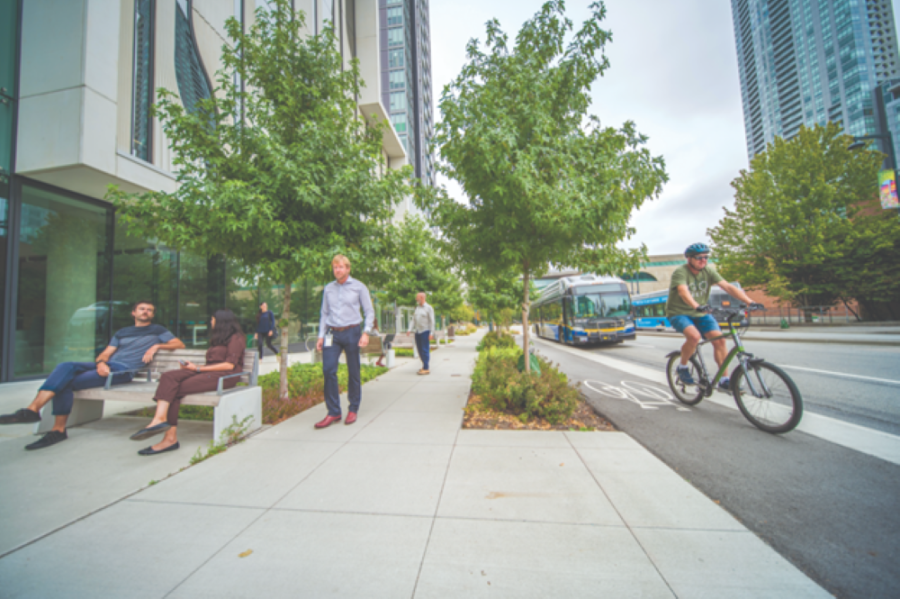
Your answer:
<point x="132" y="343"/>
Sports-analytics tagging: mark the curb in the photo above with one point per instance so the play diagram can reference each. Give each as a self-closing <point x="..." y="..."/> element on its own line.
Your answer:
<point x="811" y="339"/>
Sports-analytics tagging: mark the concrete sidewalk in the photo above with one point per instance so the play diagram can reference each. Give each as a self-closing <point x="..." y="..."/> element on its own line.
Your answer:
<point x="401" y="504"/>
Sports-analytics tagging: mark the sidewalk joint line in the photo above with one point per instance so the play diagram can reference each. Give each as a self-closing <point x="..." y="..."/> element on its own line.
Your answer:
<point x="624" y="521"/>
<point x="437" y="508"/>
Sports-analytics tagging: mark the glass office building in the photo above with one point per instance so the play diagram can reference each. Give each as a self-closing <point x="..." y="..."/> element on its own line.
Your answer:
<point x="804" y="62"/>
<point x="75" y="117"/>
<point x="406" y="79"/>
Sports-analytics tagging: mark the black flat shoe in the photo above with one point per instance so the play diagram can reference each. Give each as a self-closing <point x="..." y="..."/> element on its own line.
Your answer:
<point x="146" y="433"/>
<point x="20" y="416"/>
<point x="151" y="451"/>
<point x="51" y="438"/>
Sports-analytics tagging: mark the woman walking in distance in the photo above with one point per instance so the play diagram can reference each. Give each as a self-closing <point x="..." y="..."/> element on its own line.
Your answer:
<point x="225" y="356"/>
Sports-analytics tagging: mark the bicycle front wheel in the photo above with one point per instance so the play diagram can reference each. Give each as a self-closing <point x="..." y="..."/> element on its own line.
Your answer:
<point x="767" y="397"/>
<point x="687" y="394"/>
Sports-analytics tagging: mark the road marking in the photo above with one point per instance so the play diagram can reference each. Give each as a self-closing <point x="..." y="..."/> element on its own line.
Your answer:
<point x="653" y="397"/>
<point x="865" y="440"/>
<point x="843" y="374"/>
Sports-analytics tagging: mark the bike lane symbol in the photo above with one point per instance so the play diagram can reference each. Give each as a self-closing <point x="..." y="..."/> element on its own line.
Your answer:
<point x="646" y="395"/>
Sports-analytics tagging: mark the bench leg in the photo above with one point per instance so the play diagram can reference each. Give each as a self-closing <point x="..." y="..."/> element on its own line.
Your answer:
<point x="239" y="405"/>
<point x="83" y="411"/>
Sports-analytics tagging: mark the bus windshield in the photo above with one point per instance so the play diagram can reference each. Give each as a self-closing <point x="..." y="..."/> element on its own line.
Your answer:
<point x="615" y="304"/>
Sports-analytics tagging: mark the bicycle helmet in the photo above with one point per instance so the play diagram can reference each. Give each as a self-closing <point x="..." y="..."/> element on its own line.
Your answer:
<point x="696" y="248"/>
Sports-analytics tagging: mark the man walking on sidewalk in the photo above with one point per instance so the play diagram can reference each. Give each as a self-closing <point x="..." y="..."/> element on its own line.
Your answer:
<point x="423" y="323"/>
<point x="340" y="330"/>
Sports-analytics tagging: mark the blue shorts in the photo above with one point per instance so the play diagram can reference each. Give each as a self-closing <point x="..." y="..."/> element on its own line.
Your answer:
<point x="705" y="324"/>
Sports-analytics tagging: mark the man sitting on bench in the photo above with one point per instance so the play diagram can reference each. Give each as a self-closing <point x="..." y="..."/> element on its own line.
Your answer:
<point x="133" y="348"/>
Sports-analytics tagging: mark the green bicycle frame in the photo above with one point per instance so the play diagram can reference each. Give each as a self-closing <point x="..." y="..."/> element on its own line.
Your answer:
<point x="738" y="349"/>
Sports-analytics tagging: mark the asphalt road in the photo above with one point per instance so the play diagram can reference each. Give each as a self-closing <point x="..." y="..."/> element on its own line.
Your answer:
<point x="832" y="511"/>
<point x="847" y="382"/>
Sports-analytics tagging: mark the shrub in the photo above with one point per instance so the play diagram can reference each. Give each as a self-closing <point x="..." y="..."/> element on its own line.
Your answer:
<point x="306" y="388"/>
<point x="496" y="339"/>
<point x="463" y="329"/>
<point x="500" y="385"/>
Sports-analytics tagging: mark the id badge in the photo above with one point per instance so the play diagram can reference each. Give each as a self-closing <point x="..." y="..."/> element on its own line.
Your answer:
<point x="328" y="339"/>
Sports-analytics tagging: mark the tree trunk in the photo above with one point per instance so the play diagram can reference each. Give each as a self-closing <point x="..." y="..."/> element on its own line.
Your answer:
<point x="283" y="358"/>
<point x="846" y="305"/>
<point x="525" y="336"/>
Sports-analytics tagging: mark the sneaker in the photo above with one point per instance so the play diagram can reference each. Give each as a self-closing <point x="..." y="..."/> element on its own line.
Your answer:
<point x="725" y="384"/>
<point x="51" y="438"/>
<point x="20" y="416"/>
<point x="684" y="375"/>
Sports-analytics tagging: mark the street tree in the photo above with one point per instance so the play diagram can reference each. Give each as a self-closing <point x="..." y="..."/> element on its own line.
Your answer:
<point x="276" y="170"/>
<point x="546" y="183"/>
<point x="806" y="226"/>
<point x="414" y="263"/>
<point x="493" y="295"/>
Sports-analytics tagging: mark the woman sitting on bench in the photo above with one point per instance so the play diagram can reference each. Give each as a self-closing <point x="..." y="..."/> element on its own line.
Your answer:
<point x="225" y="356"/>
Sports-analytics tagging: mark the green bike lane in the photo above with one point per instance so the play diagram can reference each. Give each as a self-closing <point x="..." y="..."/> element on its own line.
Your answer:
<point x="823" y="496"/>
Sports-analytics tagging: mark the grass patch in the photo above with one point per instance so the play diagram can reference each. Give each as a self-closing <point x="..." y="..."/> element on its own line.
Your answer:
<point x="403" y="352"/>
<point x="232" y="435"/>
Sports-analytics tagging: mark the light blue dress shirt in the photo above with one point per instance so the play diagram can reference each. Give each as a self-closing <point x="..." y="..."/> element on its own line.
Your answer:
<point x="341" y="304"/>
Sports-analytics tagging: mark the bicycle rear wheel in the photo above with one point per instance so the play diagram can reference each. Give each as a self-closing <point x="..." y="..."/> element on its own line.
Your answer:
<point x="776" y="405"/>
<point x="687" y="394"/>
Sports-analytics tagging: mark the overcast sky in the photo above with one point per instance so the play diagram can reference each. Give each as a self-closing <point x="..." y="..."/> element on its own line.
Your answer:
<point x="673" y="71"/>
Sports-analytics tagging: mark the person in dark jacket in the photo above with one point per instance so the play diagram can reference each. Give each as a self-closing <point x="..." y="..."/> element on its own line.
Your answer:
<point x="265" y="329"/>
<point x="225" y="356"/>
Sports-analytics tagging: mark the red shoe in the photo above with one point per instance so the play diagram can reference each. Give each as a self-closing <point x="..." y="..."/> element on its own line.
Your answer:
<point x="329" y="420"/>
<point x="351" y="418"/>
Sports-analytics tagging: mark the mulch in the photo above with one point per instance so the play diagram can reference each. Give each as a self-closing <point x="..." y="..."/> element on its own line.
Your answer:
<point x="584" y="417"/>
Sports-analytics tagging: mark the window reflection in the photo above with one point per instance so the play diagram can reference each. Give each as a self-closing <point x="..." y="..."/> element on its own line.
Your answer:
<point x="62" y="308"/>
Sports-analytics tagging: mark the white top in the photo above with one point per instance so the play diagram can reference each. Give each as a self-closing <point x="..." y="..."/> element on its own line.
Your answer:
<point x="423" y="319"/>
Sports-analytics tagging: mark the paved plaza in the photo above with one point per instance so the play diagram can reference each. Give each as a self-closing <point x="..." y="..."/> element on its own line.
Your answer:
<point x="404" y="503"/>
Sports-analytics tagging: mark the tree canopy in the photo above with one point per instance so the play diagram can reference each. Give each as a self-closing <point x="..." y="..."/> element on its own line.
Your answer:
<point x="495" y="296"/>
<point x="276" y="170"/>
<point x="546" y="183"/>
<point x="416" y="263"/>
<point x="806" y="225"/>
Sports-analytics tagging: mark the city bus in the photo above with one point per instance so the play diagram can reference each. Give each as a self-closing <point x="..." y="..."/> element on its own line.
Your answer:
<point x="584" y="309"/>
<point x="650" y="308"/>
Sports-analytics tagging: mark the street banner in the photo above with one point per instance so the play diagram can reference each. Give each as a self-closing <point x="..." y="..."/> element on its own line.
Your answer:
<point x="888" y="185"/>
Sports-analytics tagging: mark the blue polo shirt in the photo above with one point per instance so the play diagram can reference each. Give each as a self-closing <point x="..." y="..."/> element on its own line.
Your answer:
<point x="132" y="343"/>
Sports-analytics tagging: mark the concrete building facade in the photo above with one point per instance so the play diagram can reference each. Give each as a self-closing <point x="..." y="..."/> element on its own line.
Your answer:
<point x="77" y="79"/>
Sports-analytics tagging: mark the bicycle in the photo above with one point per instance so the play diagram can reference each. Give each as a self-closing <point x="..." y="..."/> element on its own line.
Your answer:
<point x="764" y="393"/>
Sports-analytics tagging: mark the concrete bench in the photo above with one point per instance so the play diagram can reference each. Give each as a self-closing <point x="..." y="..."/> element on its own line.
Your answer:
<point x="409" y="340"/>
<point x="237" y="402"/>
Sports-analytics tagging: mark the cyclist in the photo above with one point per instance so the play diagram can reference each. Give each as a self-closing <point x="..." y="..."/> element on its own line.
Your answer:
<point x="687" y="308"/>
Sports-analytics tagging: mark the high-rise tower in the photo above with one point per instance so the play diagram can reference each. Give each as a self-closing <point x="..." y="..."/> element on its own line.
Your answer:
<point x="804" y="62"/>
<point x="406" y="79"/>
